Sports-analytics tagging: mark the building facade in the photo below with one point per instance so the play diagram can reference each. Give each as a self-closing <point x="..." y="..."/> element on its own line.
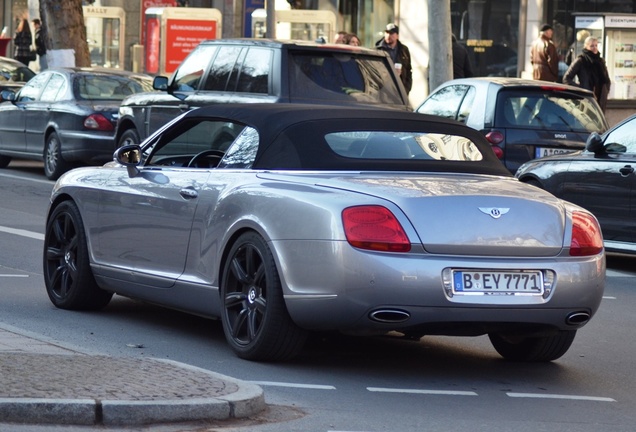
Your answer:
<point x="497" y="33"/>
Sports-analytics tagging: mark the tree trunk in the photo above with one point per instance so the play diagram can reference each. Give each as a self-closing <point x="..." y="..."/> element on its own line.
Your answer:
<point x="65" y="33"/>
<point x="440" y="39"/>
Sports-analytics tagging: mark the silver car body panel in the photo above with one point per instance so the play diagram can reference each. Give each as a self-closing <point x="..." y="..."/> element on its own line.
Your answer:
<point x="160" y="237"/>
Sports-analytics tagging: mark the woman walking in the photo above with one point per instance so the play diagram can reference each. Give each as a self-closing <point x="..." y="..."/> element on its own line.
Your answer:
<point x="22" y="43"/>
<point x="591" y="71"/>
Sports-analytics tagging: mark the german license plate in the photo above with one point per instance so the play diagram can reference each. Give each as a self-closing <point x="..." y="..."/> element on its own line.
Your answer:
<point x="479" y="282"/>
<point x="546" y="151"/>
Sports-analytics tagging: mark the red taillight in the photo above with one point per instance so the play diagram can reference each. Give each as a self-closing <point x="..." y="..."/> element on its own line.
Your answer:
<point x="98" y="122"/>
<point x="374" y="228"/>
<point x="495" y="138"/>
<point x="586" y="235"/>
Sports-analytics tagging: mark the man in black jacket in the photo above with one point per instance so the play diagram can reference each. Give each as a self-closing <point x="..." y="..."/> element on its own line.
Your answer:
<point x="461" y="62"/>
<point x="399" y="54"/>
<point x="40" y="47"/>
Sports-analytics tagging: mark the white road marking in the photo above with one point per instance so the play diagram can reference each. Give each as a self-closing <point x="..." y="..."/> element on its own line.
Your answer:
<point x="609" y="298"/>
<point x="49" y="182"/>
<point x="14" y="275"/>
<point x="618" y="273"/>
<point x="23" y="233"/>
<point x="422" y="391"/>
<point x="558" y="396"/>
<point x="293" y="385"/>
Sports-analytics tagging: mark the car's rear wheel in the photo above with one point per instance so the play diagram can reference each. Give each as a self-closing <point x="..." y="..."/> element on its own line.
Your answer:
<point x="129" y="137"/>
<point x="54" y="164"/>
<point x="4" y="161"/>
<point x="68" y="277"/>
<point x="532" y="349"/>
<point x="256" y="323"/>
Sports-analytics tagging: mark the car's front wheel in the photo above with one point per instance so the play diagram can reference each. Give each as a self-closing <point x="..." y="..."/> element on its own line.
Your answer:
<point x="54" y="164"/>
<point x="129" y="137"/>
<point x="532" y="349"/>
<point x="256" y="323"/>
<point x="68" y="276"/>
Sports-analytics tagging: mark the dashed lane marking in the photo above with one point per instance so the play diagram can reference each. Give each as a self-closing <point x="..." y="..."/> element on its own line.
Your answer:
<point x="23" y="233"/>
<point x="559" y="396"/>
<point x="293" y="385"/>
<point x="422" y="391"/>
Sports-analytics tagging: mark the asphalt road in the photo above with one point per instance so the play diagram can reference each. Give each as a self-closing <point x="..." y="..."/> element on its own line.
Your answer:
<point x="341" y="383"/>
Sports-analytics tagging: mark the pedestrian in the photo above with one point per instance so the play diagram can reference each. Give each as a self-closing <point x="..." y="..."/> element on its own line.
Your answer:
<point x="399" y="53"/>
<point x="340" y="37"/>
<point x="461" y="62"/>
<point x="351" y="39"/>
<point x="22" y="43"/>
<point x="591" y="72"/>
<point x="544" y="56"/>
<point x="40" y="47"/>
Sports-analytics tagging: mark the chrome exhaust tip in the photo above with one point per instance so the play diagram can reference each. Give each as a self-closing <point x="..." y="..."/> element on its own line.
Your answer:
<point x="389" y="316"/>
<point x="577" y="318"/>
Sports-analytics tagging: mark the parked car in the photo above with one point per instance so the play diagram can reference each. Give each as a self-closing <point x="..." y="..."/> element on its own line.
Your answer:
<point x="522" y="119"/>
<point x="600" y="178"/>
<point x="249" y="70"/>
<point x="326" y="218"/>
<point x="13" y="74"/>
<point x="65" y="116"/>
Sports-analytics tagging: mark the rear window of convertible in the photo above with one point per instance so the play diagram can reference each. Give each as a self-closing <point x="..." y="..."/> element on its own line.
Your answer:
<point x="403" y="146"/>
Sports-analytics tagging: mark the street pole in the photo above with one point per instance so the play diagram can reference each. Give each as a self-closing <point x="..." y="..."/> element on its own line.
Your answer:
<point x="270" y="23"/>
<point x="440" y="48"/>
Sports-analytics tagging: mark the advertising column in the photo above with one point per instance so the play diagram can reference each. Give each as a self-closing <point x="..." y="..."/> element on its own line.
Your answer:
<point x="620" y="55"/>
<point x="172" y="33"/>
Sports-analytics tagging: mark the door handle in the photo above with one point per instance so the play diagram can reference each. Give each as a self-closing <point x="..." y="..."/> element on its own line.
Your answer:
<point x="626" y="170"/>
<point x="189" y="193"/>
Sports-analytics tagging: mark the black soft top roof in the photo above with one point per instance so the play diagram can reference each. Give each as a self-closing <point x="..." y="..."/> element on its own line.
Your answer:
<point x="303" y="127"/>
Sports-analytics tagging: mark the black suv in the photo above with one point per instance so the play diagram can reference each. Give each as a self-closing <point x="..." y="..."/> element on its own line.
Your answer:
<point x="248" y="70"/>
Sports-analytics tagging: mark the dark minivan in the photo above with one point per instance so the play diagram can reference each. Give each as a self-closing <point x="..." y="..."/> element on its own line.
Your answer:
<point x="522" y="119"/>
<point x="249" y="70"/>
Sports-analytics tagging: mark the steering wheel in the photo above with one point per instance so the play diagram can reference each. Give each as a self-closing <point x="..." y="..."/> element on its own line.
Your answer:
<point x="204" y="153"/>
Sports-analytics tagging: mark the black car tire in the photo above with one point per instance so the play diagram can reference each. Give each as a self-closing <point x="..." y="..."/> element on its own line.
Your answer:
<point x="4" y="161"/>
<point x="129" y="137"/>
<point x="533" y="182"/>
<point x="255" y="320"/>
<point x="68" y="277"/>
<point x="54" y="164"/>
<point x="533" y="349"/>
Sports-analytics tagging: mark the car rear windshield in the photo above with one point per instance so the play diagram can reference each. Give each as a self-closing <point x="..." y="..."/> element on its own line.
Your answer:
<point x="403" y="145"/>
<point x="548" y="109"/>
<point x="342" y="77"/>
<point x="108" y="87"/>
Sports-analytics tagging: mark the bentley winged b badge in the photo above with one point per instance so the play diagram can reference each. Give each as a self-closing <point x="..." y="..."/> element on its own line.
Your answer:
<point x="495" y="212"/>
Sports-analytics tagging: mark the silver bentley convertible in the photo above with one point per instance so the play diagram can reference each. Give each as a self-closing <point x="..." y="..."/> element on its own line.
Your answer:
<point x="286" y="219"/>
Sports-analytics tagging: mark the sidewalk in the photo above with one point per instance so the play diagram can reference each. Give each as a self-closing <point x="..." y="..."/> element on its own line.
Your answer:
<point x="42" y="382"/>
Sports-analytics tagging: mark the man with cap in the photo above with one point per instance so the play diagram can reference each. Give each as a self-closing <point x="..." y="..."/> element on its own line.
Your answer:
<point x="544" y="56"/>
<point x="399" y="54"/>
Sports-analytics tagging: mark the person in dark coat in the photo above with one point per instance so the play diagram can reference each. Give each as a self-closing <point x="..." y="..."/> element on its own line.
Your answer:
<point x="461" y="62"/>
<point x="40" y="46"/>
<point x="22" y="43"/>
<point x="544" y="56"/>
<point x="591" y="71"/>
<point x="399" y="54"/>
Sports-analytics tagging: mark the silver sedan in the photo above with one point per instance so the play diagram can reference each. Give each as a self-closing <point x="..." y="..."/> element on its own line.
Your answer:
<point x="285" y="219"/>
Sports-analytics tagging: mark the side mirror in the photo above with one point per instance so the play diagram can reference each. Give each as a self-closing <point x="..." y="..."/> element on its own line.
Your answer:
<point x="160" y="83"/>
<point x="8" y="95"/>
<point x="130" y="157"/>
<point x="594" y="143"/>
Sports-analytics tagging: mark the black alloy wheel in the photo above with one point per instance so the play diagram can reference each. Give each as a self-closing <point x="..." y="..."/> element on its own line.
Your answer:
<point x="256" y="323"/>
<point x="68" y="276"/>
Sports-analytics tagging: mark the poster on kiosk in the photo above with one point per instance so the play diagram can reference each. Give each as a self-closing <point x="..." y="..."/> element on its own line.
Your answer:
<point x="173" y="32"/>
